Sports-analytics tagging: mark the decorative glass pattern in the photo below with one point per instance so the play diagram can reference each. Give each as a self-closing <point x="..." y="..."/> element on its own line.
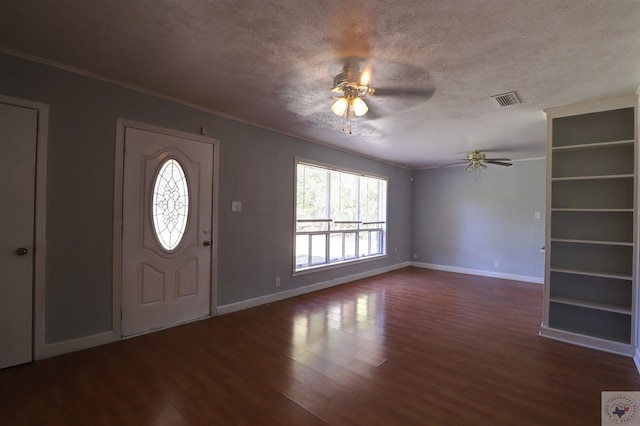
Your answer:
<point x="170" y="204"/>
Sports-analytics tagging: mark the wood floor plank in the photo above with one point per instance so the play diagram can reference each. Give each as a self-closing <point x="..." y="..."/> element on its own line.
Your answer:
<point x="412" y="346"/>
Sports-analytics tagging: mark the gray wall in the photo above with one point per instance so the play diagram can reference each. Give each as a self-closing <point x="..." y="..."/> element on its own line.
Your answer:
<point x="463" y="223"/>
<point x="455" y="220"/>
<point x="256" y="168"/>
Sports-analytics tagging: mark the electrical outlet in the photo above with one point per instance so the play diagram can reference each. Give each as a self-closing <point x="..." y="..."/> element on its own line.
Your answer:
<point x="415" y="256"/>
<point x="496" y="264"/>
<point x="277" y="281"/>
<point x="537" y="215"/>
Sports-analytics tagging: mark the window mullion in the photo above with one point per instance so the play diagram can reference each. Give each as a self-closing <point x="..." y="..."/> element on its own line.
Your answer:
<point x="358" y="213"/>
<point x="327" y="241"/>
<point x="328" y="197"/>
<point x="358" y="217"/>
<point x="327" y="238"/>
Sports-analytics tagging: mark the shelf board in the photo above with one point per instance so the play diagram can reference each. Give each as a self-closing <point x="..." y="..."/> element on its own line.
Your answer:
<point x="592" y="273"/>
<point x="607" y="243"/>
<point x="591" y="305"/>
<point x="620" y="347"/>
<point x="601" y="177"/>
<point x="589" y="146"/>
<point x="564" y="209"/>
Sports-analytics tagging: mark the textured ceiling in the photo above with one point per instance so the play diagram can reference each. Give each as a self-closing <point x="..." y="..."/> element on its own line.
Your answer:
<point x="272" y="63"/>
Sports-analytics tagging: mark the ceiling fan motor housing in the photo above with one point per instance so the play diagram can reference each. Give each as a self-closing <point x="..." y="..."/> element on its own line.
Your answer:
<point x="348" y="81"/>
<point x="348" y="75"/>
<point x="477" y="157"/>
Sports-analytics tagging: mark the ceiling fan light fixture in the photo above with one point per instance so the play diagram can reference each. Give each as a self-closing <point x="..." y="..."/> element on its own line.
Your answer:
<point x="360" y="108"/>
<point x="476" y="166"/>
<point x="340" y="106"/>
<point x="365" y="77"/>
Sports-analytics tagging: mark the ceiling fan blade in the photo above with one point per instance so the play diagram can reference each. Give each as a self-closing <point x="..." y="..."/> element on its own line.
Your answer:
<point x="498" y="159"/>
<point x="406" y="92"/>
<point x="498" y="163"/>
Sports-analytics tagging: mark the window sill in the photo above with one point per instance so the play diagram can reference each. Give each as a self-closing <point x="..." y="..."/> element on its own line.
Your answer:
<point x="336" y="265"/>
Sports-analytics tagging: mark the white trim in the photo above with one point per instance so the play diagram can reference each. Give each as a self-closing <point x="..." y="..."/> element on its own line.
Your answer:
<point x="40" y="220"/>
<point x="636" y="238"/>
<point x="504" y="276"/>
<point x="121" y="125"/>
<point x="59" y="348"/>
<point x="258" y="301"/>
<point x="636" y="359"/>
<point x="118" y="177"/>
<point x="215" y="226"/>
<point x="591" y="106"/>
<point x="587" y="341"/>
<point x="337" y="265"/>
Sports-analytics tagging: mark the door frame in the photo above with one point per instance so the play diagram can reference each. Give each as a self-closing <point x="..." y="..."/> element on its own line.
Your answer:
<point x="121" y="126"/>
<point x="40" y="221"/>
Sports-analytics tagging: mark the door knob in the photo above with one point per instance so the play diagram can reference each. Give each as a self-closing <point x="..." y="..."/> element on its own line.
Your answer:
<point x="206" y="243"/>
<point x="22" y="251"/>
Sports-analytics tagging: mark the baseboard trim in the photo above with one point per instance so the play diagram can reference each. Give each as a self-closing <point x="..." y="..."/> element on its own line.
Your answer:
<point x="262" y="300"/>
<point x="59" y="348"/>
<point x="492" y="274"/>
<point x="589" y="342"/>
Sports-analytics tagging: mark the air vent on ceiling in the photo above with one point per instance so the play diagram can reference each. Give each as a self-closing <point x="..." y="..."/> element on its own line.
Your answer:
<point x="506" y="99"/>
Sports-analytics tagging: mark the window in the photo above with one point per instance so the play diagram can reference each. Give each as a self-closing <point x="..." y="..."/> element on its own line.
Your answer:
<point x="170" y="204"/>
<point x="340" y="216"/>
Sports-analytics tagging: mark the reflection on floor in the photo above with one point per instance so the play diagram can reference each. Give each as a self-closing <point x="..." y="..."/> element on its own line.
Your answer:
<point x="412" y="346"/>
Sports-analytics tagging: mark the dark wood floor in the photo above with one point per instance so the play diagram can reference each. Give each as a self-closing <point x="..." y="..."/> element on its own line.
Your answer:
<point x="411" y="347"/>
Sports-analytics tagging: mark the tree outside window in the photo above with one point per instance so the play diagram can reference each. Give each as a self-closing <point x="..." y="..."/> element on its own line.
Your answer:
<point x="340" y="216"/>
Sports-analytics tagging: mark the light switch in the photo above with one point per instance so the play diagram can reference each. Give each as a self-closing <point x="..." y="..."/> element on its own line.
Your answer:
<point x="236" y="206"/>
<point x="537" y="215"/>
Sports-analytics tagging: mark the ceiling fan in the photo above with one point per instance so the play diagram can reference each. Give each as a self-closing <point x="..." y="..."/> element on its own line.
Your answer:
<point x="477" y="161"/>
<point x="352" y="86"/>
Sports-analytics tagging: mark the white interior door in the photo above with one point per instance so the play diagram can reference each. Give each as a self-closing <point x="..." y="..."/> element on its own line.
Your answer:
<point x="166" y="237"/>
<point x="18" y="137"/>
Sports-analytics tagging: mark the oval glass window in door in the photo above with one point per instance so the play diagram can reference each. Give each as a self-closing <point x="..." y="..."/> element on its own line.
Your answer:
<point x="170" y="204"/>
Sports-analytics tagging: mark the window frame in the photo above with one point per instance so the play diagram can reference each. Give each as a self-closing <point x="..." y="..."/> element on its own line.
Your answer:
<point x="328" y="264"/>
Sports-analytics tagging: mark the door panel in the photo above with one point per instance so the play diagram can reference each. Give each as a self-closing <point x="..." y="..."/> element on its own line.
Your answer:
<point x="165" y="286"/>
<point x="18" y="137"/>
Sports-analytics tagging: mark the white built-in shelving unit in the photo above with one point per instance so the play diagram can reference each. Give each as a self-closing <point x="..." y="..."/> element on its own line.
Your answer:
<point x="591" y="258"/>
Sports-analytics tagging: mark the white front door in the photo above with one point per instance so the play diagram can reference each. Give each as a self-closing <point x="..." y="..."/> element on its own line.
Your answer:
<point x="167" y="235"/>
<point x="18" y="137"/>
